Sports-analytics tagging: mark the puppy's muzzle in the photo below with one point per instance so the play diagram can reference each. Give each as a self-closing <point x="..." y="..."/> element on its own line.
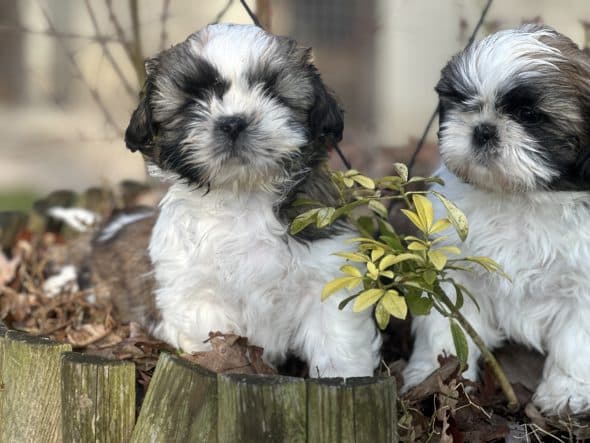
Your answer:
<point x="232" y="126"/>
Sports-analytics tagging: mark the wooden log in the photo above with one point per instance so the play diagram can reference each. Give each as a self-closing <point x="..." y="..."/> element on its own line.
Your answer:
<point x="98" y="398"/>
<point x="259" y="408"/>
<point x="11" y="223"/>
<point x="330" y="411"/>
<point x="31" y="400"/>
<point x="180" y="404"/>
<point x="358" y="410"/>
<point x="3" y="332"/>
<point x="375" y="409"/>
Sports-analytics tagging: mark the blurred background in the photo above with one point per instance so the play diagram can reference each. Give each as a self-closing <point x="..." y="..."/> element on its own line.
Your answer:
<point x="70" y="72"/>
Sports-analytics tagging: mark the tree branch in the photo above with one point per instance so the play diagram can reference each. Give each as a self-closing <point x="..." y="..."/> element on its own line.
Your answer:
<point x="78" y="72"/>
<point x="163" y="21"/>
<point x="108" y="55"/>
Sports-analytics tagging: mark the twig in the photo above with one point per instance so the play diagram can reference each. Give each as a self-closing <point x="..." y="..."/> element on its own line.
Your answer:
<point x="107" y="53"/>
<point x="420" y="144"/>
<point x="251" y="14"/>
<point x="485" y="352"/>
<point x="119" y="29"/>
<point x="78" y="72"/>
<point x="49" y="33"/>
<point x="222" y="13"/>
<point x="163" y="22"/>
<point x="137" y="58"/>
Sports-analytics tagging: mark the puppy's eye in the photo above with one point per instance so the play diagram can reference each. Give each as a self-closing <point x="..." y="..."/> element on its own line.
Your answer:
<point x="527" y="114"/>
<point x="219" y="86"/>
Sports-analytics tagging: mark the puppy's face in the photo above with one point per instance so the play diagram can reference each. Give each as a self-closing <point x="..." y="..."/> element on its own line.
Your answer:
<point x="234" y="105"/>
<point x="515" y="112"/>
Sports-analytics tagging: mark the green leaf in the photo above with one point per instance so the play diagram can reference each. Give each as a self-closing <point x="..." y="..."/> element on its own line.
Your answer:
<point x="392" y="242"/>
<point x="395" y="304"/>
<point x="351" y="270"/>
<point x="372" y="271"/>
<point x="351" y="172"/>
<point x="347" y="182"/>
<point x="339" y="284"/>
<point x="417" y="246"/>
<point x="401" y="170"/>
<point x="367" y="299"/>
<point x="429" y="276"/>
<point x="376" y="254"/>
<point x="489" y="265"/>
<point x="417" y="304"/>
<point x="439" y="225"/>
<point x="415" y="220"/>
<point x="378" y="208"/>
<point x="390" y="260"/>
<point x="438" y="259"/>
<point x="456" y="216"/>
<point x="366" y="225"/>
<point x="303" y="220"/>
<point x="353" y="256"/>
<point x="459" y="300"/>
<point x="460" y="342"/>
<point x="424" y="210"/>
<point x="382" y="316"/>
<point x="324" y="217"/>
<point x="385" y="227"/>
<point x="306" y="202"/>
<point x="450" y="249"/>
<point x="364" y="181"/>
<point x="388" y="274"/>
<point x="347" y="300"/>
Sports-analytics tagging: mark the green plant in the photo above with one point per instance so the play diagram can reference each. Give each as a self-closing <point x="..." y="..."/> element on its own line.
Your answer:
<point x="395" y="272"/>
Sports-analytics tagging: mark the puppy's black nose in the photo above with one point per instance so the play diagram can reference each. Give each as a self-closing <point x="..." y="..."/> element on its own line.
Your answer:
<point x="232" y="126"/>
<point x="483" y="134"/>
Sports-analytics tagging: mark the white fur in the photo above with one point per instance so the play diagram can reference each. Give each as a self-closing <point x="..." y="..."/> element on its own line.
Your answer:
<point x="542" y="240"/>
<point x="79" y="219"/>
<point x="118" y="222"/>
<point x="223" y="261"/>
<point x="66" y="278"/>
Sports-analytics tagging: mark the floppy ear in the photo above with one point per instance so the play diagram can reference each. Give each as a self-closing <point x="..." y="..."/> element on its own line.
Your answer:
<point x="141" y="131"/>
<point x="325" y="117"/>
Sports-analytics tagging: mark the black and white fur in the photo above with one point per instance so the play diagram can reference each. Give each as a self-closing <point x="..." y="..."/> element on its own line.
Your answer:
<point x="515" y="139"/>
<point x="239" y="121"/>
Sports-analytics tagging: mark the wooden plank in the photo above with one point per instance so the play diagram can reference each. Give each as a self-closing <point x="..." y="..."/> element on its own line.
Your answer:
<point x="31" y="400"/>
<point x="330" y="411"/>
<point x="98" y="398"/>
<point x="258" y="408"/>
<point x="375" y="409"/>
<point x="3" y="332"/>
<point x="180" y="404"/>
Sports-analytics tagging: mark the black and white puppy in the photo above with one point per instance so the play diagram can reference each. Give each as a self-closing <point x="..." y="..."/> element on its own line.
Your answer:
<point x="515" y="139"/>
<point x="239" y="121"/>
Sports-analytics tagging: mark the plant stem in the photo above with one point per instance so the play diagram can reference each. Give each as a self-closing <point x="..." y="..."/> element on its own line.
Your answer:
<point x="488" y="357"/>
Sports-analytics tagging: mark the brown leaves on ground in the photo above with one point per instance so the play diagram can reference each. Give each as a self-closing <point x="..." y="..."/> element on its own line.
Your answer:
<point x="231" y="354"/>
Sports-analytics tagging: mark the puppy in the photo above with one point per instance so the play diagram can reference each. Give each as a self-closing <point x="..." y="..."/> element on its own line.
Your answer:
<point x="515" y="139"/>
<point x="238" y="122"/>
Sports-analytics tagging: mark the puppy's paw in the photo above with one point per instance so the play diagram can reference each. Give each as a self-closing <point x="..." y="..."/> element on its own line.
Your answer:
<point x="559" y="394"/>
<point x="416" y="372"/>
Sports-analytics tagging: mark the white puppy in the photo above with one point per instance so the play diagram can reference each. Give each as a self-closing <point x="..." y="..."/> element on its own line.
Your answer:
<point x="239" y="121"/>
<point x="515" y="138"/>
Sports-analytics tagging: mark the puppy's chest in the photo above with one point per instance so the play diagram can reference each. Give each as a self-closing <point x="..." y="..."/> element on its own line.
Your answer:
<point x="223" y="246"/>
<point x="540" y="242"/>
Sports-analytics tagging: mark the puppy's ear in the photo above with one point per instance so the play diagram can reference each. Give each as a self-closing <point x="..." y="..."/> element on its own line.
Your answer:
<point x="325" y="117"/>
<point x="140" y="131"/>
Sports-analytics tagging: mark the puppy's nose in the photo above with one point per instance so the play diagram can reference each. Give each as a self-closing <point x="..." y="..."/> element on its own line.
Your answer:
<point x="232" y="125"/>
<point x="483" y="134"/>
